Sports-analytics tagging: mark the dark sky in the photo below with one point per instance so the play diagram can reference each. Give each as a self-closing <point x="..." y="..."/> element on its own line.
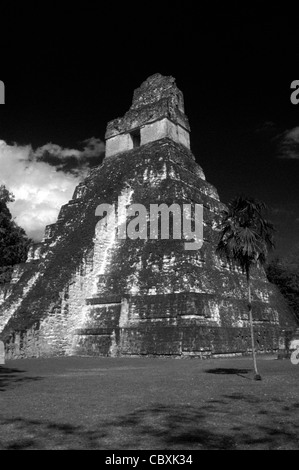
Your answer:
<point x="68" y="71"/>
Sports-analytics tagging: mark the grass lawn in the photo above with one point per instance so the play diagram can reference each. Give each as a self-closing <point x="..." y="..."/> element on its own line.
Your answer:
<point x="148" y="403"/>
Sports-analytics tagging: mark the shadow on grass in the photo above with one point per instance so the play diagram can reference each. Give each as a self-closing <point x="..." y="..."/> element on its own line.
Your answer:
<point x="159" y="427"/>
<point x="228" y="371"/>
<point x="12" y="377"/>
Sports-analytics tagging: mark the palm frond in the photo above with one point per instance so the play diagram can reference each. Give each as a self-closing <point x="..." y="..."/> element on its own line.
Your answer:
<point x="245" y="235"/>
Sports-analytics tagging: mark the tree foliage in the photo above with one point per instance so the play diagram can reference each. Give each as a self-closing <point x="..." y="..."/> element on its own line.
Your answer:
<point x="14" y="242"/>
<point x="245" y="239"/>
<point x="246" y="236"/>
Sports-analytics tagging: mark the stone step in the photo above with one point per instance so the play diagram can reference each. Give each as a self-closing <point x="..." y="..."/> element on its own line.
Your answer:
<point x="107" y="299"/>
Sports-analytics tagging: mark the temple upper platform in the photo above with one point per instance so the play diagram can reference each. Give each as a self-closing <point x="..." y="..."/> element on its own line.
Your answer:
<point x="157" y="112"/>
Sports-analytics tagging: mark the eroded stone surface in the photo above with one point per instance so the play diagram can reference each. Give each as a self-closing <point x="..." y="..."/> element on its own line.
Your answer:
<point x="157" y="112"/>
<point x="2" y="353"/>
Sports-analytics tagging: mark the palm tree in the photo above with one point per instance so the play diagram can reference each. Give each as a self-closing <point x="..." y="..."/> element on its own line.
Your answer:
<point x="245" y="239"/>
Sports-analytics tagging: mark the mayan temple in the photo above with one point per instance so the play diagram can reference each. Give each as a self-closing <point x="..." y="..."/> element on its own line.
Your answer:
<point x="86" y="291"/>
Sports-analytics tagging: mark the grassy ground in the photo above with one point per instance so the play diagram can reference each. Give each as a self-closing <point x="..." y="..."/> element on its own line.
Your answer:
<point x="145" y="403"/>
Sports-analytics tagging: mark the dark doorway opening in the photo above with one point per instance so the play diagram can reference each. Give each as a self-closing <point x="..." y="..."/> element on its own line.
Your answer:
<point x="136" y="138"/>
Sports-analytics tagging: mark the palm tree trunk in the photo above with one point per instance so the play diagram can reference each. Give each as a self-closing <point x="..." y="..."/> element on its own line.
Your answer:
<point x="257" y="375"/>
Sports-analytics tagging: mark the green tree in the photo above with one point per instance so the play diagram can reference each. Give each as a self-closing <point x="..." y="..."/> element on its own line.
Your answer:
<point x="245" y="239"/>
<point x="14" y="243"/>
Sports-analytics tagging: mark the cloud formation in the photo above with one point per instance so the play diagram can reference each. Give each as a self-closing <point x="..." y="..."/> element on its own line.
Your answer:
<point x="72" y="160"/>
<point x="288" y="146"/>
<point x="44" y="179"/>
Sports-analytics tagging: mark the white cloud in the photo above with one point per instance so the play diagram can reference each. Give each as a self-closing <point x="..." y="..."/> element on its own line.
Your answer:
<point x="57" y="151"/>
<point x="293" y="134"/>
<point x="289" y="144"/>
<point x="39" y="188"/>
<point x="93" y="147"/>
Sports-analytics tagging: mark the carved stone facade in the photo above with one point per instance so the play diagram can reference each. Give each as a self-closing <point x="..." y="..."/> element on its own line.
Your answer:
<point x="85" y="291"/>
<point x="157" y="112"/>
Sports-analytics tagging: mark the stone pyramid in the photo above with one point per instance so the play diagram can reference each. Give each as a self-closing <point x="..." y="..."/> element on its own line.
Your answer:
<point x="85" y="291"/>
